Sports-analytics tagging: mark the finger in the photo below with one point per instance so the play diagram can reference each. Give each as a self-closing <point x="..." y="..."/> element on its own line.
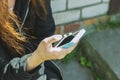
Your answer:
<point x="53" y="39"/>
<point x="60" y="53"/>
<point x="68" y="50"/>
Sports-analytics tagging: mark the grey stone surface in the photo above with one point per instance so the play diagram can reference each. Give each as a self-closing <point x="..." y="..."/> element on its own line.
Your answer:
<point x="96" y="10"/>
<point x="81" y="3"/>
<point x="106" y="52"/>
<point x="66" y="16"/>
<point x="73" y="71"/>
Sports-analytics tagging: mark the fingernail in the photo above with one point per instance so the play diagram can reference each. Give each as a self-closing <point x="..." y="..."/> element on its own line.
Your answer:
<point x="58" y="37"/>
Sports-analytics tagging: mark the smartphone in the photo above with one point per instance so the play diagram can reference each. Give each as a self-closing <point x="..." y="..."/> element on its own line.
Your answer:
<point x="71" y="39"/>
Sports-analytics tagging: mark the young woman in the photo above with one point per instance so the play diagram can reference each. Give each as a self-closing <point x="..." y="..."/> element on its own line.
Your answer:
<point x="15" y="62"/>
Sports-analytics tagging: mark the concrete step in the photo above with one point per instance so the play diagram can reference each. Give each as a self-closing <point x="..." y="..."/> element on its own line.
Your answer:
<point x="73" y="71"/>
<point x="103" y="49"/>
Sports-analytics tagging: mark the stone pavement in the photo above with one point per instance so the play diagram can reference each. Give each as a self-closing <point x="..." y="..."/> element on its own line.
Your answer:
<point x="73" y="71"/>
<point x="103" y="49"/>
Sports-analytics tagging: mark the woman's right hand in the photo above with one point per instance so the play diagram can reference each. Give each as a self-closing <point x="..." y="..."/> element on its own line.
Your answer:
<point x="45" y="51"/>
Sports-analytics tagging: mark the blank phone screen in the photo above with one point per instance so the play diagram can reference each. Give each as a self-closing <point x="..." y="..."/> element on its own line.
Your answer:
<point x="66" y="40"/>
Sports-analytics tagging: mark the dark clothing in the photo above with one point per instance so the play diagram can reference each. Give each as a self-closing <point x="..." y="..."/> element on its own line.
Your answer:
<point x="13" y="67"/>
<point x="39" y="27"/>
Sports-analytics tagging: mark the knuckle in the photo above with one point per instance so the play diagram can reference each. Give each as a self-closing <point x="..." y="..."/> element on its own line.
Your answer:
<point x="69" y="51"/>
<point x="61" y="57"/>
<point x="44" y="41"/>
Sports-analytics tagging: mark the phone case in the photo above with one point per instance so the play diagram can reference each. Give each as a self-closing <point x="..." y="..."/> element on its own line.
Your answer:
<point x="70" y="40"/>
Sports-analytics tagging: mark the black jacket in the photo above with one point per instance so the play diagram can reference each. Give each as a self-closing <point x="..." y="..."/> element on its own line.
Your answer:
<point x="14" y="67"/>
<point x="39" y="27"/>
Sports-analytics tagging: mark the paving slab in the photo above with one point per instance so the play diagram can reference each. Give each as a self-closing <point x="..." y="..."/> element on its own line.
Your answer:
<point x="103" y="49"/>
<point x="73" y="71"/>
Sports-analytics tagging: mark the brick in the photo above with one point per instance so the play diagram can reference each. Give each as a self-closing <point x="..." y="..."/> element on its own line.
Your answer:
<point x="58" y="30"/>
<point x="96" y="10"/>
<point x="95" y="20"/>
<point x="58" y="5"/>
<point x="66" y="17"/>
<point x="71" y="27"/>
<point x="103" y="18"/>
<point x="89" y="22"/>
<point x="106" y="0"/>
<point x="81" y="3"/>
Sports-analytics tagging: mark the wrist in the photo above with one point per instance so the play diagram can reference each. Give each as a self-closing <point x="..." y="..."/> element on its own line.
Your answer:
<point x="33" y="61"/>
<point x="37" y="56"/>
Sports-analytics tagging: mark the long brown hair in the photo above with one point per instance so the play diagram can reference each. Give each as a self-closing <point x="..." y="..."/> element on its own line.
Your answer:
<point x="42" y="4"/>
<point x="8" y="34"/>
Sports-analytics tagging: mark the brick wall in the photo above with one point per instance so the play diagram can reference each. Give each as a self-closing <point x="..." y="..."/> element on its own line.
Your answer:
<point x="69" y="15"/>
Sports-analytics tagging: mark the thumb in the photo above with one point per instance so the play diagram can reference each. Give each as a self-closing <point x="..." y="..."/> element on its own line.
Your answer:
<point x="53" y="39"/>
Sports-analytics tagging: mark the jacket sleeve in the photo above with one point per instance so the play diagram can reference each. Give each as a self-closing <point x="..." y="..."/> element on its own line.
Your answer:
<point x="16" y="69"/>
